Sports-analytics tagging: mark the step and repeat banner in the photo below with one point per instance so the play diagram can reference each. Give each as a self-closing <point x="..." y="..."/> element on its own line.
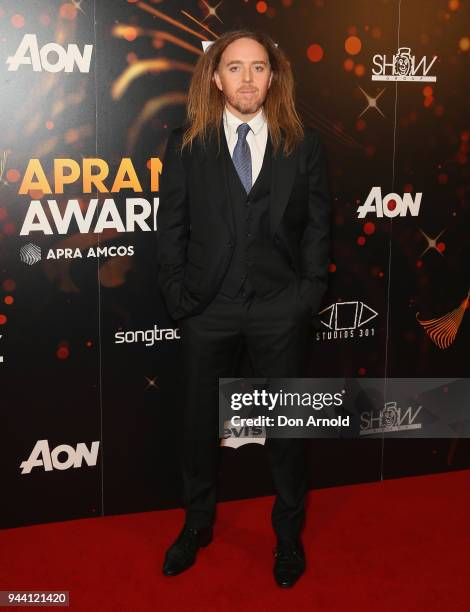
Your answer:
<point x="89" y="357"/>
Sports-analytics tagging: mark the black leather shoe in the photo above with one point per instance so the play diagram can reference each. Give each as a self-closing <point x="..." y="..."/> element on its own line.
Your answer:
<point x="289" y="563"/>
<point x="182" y="553"/>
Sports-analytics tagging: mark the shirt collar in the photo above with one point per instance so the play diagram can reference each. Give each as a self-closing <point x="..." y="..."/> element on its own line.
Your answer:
<point x="255" y="123"/>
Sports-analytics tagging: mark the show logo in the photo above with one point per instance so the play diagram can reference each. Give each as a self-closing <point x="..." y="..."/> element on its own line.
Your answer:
<point x="346" y="320"/>
<point x="51" y="57"/>
<point x="402" y="67"/>
<point x="62" y="457"/>
<point x="390" y="418"/>
<point x="390" y="205"/>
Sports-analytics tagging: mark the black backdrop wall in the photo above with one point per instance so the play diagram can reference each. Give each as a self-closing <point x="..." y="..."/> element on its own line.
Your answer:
<point x="89" y="355"/>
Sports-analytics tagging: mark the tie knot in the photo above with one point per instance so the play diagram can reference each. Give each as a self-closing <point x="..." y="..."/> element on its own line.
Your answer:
<point x="243" y="130"/>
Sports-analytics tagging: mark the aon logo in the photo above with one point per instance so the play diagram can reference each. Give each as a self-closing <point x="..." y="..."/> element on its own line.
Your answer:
<point x="62" y="457"/>
<point x="52" y="57"/>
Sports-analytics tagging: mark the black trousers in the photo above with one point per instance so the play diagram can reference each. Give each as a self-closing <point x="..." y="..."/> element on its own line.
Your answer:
<point x="276" y="331"/>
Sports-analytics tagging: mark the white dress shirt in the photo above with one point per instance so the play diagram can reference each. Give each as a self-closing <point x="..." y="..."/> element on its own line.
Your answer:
<point x="256" y="137"/>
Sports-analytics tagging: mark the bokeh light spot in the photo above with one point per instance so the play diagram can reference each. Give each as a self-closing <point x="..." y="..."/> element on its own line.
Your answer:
<point x="68" y="11"/>
<point x="353" y="45"/>
<point x="315" y="53"/>
<point x="17" y="21"/>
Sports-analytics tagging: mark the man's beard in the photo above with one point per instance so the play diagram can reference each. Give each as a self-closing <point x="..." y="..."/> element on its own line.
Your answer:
<point x="246" y="108"/>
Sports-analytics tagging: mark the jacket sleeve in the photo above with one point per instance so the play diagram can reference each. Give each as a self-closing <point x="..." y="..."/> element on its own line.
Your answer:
<point x="172" y="224"/>
<point x="315" y="243"/>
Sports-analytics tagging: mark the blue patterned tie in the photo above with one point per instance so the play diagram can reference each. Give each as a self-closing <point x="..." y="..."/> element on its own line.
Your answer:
<point x="242" y="156"/>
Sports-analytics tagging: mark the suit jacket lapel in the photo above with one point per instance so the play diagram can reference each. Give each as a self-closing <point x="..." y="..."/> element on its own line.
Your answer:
<point x="214" y="176"/>
<point x="282" y="179"/>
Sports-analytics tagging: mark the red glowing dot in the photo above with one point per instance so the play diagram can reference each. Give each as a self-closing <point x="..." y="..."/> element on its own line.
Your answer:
<point x="8" y="299"/>
<point x="419" y="263"/>
<point x="359" y="70"/>
<point x="361" y="240"/>
<point x="332" y="267"/>
<point x="9" y="285"/>
<point x="428" y="101"/>
<point x="361" y="371"/>
<point x="17" y="21"/>
<point x="427" y="91"/>
<point x="360" y="125"/>
<point x="348" y="64"/>
<point x="13" y="175"/>
<point x="315" y="53"/>
<point x="442" y="179"/>
<point x="62" y="352"/>
<point x="3" y="319"/>
<point x="392" y="204"/>
<point x="68" y="11"/>
<point x="441" y="246"/>
<point x="353" y="45"/>
<point x="369" y="228"/>
<point x="376" y="32"/>
<point x="380" y="274"/>
<point x="49" y="125"/>
<point x="408" y="188"/>
<point x="89" y="343"/>
<point x="261" y="7"/>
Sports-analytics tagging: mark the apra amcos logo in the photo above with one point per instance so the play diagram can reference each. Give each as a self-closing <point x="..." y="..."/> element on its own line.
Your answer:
<point x="390" y="205"/>
<point x="402" y="67"/>
<point x="62" y="457"/>
<point x="51" y="57"/>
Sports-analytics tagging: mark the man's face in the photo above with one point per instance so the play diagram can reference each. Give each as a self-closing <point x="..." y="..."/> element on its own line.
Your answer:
<point x="244" y="76"/>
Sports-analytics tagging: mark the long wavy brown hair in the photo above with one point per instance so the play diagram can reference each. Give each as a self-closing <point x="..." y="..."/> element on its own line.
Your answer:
<point x="206" y="102"/>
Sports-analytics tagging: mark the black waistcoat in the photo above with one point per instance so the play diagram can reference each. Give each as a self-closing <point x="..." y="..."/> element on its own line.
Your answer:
<point x="256" y="261"/>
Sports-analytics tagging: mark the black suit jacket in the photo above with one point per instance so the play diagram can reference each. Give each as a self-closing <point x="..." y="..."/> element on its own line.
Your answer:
<point x="195" y="229"/>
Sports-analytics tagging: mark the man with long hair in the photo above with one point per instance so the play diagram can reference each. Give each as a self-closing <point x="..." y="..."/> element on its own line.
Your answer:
<point x="243" y="252"/>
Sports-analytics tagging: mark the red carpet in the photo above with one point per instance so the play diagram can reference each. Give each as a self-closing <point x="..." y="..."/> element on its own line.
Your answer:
<point x="398" y="545"/>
